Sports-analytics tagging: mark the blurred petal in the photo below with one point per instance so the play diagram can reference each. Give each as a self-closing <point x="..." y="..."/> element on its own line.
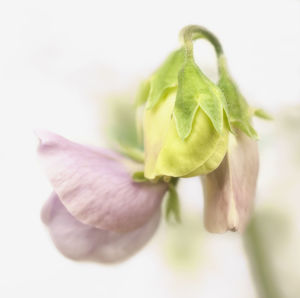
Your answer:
<point x="229" y="191"/>
<point x="95" y="185"/>
<point x="82" y="242"/>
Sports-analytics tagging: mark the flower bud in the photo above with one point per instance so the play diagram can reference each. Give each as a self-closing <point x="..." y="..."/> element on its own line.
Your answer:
<point x="185" y="131"/>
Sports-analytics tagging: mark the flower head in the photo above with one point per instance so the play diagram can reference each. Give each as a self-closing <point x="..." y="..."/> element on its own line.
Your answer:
<point x="185" y="128"/>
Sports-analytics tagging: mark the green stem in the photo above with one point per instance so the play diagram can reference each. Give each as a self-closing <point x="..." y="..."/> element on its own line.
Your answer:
<point x="190" y="33"/>
<point x="172" y="204"/>
<point x="193" y="32"/>
<point x="132" y="152"/>
<point x="187" y="37"/>
<point x="260" y="263"/>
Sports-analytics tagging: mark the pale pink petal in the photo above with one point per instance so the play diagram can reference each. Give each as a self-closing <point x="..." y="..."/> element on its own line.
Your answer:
<point x="229" y="191"/>
<point x="95" y="185"/>
<point x="82" y="242"/>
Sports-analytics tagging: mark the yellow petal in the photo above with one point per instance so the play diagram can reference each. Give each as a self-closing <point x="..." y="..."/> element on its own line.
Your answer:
<point x="167" y="154"/>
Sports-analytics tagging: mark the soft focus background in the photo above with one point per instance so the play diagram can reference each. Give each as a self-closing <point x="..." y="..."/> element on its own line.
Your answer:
<point x="61" y="62"/>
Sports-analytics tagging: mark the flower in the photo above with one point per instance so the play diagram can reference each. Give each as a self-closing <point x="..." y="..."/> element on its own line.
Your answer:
<point x="105" y="207"/>
<point x="229" y="190"/>
<point x="185" y="122"/>
<point x="97" y="212"/>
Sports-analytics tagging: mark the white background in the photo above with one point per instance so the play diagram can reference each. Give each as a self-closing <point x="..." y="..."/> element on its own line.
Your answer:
<point x="58" y="60"/>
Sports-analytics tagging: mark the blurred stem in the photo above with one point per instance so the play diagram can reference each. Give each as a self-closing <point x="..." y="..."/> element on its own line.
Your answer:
<point x="172" y="203"/>
<point x="132" y="152"/>
<point x="260" y="262"/>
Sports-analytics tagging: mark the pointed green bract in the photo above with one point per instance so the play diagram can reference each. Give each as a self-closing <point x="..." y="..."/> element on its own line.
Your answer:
<point x="172" y="205"/>
<point x="247" y="128"/>
<point x="237" y="105"/>
<point x="262" y="114"/>
<point x="238" y="109"/>
<point x="196" y="90"/>
<point x="139" y="177"/>
<point x="165" y="77"/>
<point x="226" y="115"/>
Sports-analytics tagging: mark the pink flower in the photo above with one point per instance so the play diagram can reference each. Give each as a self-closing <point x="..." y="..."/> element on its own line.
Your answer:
<point x="97" y="212"/>
<point x="229" y="190"/>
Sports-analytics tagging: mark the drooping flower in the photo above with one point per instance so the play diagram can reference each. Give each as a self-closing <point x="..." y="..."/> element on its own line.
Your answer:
<point x="229" y="190"/>
<point x="185" y="128"/>
<point x="97" y="212"/>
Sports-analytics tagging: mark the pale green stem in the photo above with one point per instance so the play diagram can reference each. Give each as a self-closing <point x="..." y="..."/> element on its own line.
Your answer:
<point x="260" y="263"/>
<point x="187" y="37"/>
<point x="190" y="33"/>
<point x="132" y="152"/>
<point x="193" y="32"/>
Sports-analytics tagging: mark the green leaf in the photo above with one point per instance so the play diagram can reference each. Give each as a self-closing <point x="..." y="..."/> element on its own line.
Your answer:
<point x="196" y="90"/>
<point x="262" y="114"/>
<point x="165" y="77"/>
<point x="172" y="205"/>
<point x="143" y="93"/>
<point x="139" y="177"/>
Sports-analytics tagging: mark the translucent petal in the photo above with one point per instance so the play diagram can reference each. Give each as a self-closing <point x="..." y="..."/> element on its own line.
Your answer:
<point x="82" y="242"/>
<point x="95" y="185"/>
<point x="229" y="191"/>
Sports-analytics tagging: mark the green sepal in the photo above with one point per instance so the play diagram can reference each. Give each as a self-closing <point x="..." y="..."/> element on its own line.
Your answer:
<point x="262" y="114"/>
<point x="139" y="177"/>
<point x="165" y="77"/>
<point x="143" y="93"/>
<point x="172" y="209"/>
<point x="195" y="91"/>
<point x="238" y="108"/>
<point x="247" y="128"/>
<point x="226" y="114"/>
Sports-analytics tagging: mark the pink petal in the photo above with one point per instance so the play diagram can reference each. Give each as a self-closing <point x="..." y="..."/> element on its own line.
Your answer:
<point x="82" y="242"/>
<point x="95" y="185"/>
<point x="229" y="191"/>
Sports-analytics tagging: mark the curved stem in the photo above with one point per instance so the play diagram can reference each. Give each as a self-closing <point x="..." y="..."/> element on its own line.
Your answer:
<point x="193" y="32"/>
<point x="187" y="37"/>
<point x="190" y="33"/>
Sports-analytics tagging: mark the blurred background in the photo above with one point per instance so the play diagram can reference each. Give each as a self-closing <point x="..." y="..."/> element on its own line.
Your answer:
<point x="62" y="65"/>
